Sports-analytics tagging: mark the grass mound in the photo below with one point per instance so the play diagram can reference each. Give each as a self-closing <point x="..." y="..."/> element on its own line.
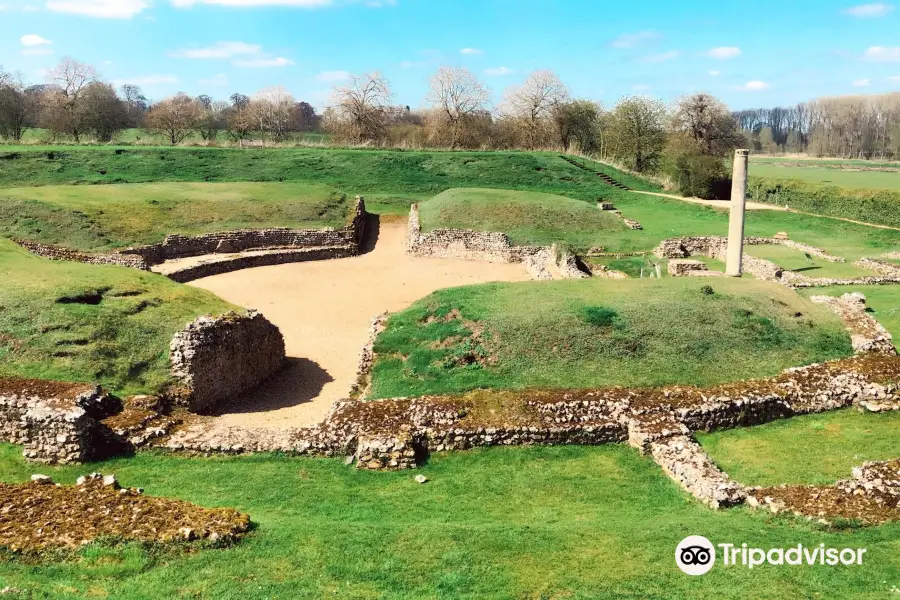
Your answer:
<point x="813" y="449"/>
<point x="578" y="334"/>
<point x="76" y="322"/>
<point x="542" y="522"/>
<point x="92" y="218"/>
<point x="529" y="218"/>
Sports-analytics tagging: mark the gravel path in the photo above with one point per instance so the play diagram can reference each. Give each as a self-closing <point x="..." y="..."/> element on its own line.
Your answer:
<point x="324" y="309"/>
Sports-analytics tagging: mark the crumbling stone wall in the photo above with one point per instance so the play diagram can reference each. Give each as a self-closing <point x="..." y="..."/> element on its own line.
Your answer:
<point x="879" y="266"/>
<point x="57" y="423"/>
<point x="866" y="334"/>
<point x="59" y="253"/>
<point x="685" y="462"/>
<point x="217" y="359"/>
<point x="219" y="264"/>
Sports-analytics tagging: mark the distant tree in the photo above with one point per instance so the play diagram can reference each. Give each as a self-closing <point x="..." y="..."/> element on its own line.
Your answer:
<point x="305" y="117"/>
<point x="136" y="104"/>
<point x="101" y="112"/>
<point x="359" y="109"/>
<point x="272" y="109"/>
<point x="213" y="119"/>
<point x="456" y="97"/>
<point x="532" y="104"/>
<point x="767" y="140"/>
<point x="637" y="131"/>
<point x="174" y="118"/>
<point x="62" y="113"/>
<point x="703" y="125"/>
<point x="17" y="108"/>
<point x="240" y="100"/>
<point x="578" y="122"/>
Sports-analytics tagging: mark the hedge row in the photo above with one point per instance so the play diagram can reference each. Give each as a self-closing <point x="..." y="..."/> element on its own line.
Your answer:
<point x="872" y="206"/>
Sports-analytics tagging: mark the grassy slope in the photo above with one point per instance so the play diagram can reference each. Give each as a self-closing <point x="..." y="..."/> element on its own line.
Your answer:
<point x="507" y="523"/>
<point x="391" y="180"/>
<point x="876" y="180"/>
<point x="666" y="331"/>
<point x="122" y="342"/>
<point x="796" y="260"/>
<point x="813" y="449"/>
<point x="530" y="218"/>
<point x="103" y="217"/>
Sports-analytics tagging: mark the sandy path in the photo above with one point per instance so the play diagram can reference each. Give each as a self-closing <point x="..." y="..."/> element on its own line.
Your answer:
<point x="723" y="204"/>
<point x="324" y="309"/>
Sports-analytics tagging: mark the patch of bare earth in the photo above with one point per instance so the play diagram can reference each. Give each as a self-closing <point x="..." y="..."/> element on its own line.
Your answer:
<point x="324" y="309"/>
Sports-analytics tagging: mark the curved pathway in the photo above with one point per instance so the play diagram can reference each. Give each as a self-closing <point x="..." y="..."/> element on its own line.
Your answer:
<point x="324" y="309"/>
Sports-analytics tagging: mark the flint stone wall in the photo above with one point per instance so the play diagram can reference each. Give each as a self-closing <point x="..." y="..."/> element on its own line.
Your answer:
<point x="218" y="359"/>
<point x="265" y="259"/>
<point x="52" y="252"/>
<point x="685" y="461"/>
<point x="56" y="423"/>
<point x="866" y="334"/>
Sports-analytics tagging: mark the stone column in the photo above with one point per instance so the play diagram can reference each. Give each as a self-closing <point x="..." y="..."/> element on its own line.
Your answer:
<point x="733" y="266"/>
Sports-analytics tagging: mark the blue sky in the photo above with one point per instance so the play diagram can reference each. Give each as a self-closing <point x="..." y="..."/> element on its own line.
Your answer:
<point x="749" y="54"/>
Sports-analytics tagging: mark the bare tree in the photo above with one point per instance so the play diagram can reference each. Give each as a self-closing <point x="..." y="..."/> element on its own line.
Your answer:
<point x="578" y="122"/>
<point x="533" y="102"/>
<point x="62" y="110"/>
<point x="702" y="124"/>
<point x="359" y="109"/>
<point x="174" y="118"/>
<point x="213" y="118"/>
<point x="457" y="97"/>
<point x="101" y="112"/>
<point x="17" y="108"/>
<point x="272" y="109"/>
<point x="135" y="103"/>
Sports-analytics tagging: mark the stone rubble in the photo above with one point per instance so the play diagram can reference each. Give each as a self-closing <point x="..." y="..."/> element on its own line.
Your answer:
<point x="866" y="334"/>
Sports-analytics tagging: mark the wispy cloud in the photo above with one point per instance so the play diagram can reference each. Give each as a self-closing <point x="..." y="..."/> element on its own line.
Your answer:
<point x="219" y="50"/>
<point x="263" y="63"/>
<point x="894" y="78"/>
<point x="103" y="9"/>
<point x="471" y="51"/>
<point x="498" y="71"/>
<point x="724" y="52"/>
<point x="281" y="3"/>
<point x="883" y="54"/>
<point x="147" y="80"/>
<point x="332" y="76"/>
<point x="35" y="45"/>
<point x="629" y="40"/>
<point x="715" y="73"/>
<point x="658" y="58"/>
<point x="862" y="83"/>
<point x="219" y="80"/>
<point x="754" y="86"/>
<point x="640" y="87"/>
<point x="870" y="11"/>
<point x="412" y="64"/>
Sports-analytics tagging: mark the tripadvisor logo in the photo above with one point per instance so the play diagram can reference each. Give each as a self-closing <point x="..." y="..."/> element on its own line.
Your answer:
<point x="696" y="555"/>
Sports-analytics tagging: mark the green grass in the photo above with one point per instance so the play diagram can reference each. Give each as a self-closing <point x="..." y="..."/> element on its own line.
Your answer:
<point x="506" y="523"/>
<point x="882" y="300"/>
<point x="796" y="260"/>
<point x="666" y="331"/>
<point x="114" y="216"/>
<point x="831" y="172"/>
<point x="813" y="449"/>
<point x="633" y="266"/>
<point x="529" y="218"/>
<point x="122" y="342"/>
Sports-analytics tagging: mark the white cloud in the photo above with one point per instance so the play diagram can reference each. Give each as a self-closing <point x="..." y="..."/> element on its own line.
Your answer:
<point x="219" y="80"/>
<point x="640" y="87"/>
<point x="37" y="51"/>
<point x="894" y="78"/>
<point x="883" y="54"/>
<point x="754" y="86"/>
<point x="105" y="9"/>
<point x="628" y="40"/>
<point x="471" y="51"/>
<point x="715" y="73"/>
<point x="409" y="64"/>
<point x="147" y="80"/>
<point x="862" y="83"/>
<point x="255" y="3"/>
<point x="870" y="11"/>
<point x="219" y="50"/>
<point x="724" y="52"/>
<point x="32" y="39"/>
<point x="332" y="76"/>
<point x="263" y="63"/>
<point x="658" y="58"/>
<point x="498" y="71"/>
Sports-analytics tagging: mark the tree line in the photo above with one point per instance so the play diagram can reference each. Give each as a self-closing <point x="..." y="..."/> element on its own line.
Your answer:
<point x="858" y="126"/>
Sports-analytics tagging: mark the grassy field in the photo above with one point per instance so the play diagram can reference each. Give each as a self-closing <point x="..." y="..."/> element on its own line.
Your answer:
<point x="578" y="334"/>
<point x="849" y="173"/>
<point x="115" y="216"/>
<point x="75" y="322"/>
<point x="506" y="523"/>
<point x="392" y="180"/>
<point x="796" y="260"/>
<point x="812" y="449"/>
<point x="529" y="218"/>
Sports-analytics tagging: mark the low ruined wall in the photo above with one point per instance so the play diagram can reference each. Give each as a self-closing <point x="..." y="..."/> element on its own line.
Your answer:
<point x="879" y="266"/>
<point x="57" y="423"/>
<point x="715" y="246"/>
<point x="685" y="461"/>
<point x="59" y="253"/>
<point x="218" y="359"/>
<point x="228" y="242"/>
<point x="866" y="334"/>
<point x="269" y="258"/>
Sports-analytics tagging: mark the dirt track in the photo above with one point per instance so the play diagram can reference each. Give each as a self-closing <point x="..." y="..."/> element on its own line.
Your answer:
<point x="324" y="309"/>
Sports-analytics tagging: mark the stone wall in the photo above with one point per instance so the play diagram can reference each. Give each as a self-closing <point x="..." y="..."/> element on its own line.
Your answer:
<point x="685" y="462"/>
<point x="866" y="334"/>
<point x="879" y="266"/>
<point x="218" y="359"/>
<point x="488" y="246"/>
<point x="219" y="264"/>
<point x="59" y="253"/>
<point x="57" y="423"/>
